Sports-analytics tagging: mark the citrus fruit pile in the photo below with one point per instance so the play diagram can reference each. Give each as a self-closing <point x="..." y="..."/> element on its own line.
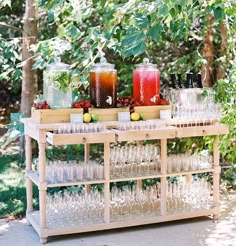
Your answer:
<point x="87" y="118"/>
<point x="136" y="116"/>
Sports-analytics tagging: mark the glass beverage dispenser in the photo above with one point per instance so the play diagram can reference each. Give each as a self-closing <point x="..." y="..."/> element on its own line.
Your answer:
<point x="103" y="85"/>
<point x="56" y="85"/>
<point x="146" y="83"/>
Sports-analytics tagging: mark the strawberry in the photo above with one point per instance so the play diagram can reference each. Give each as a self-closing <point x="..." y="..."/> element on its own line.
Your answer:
<point x="164" y="101"/>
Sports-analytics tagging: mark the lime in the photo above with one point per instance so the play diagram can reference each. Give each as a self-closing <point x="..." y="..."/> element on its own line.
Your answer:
<point x="87" y="118"/>
<point x="135" y="116"/>
<point x="94" y="117"/>
<point x="141" y="116"/>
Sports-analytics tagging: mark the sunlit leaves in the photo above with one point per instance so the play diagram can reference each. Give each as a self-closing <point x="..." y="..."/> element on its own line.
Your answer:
<point x="133" y="43"/>
<point x="141" y="21"/>
<point x="5" y="3"/>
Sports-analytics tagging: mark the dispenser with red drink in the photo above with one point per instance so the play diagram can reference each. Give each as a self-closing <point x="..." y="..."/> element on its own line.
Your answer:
<point x="146" y="83"/>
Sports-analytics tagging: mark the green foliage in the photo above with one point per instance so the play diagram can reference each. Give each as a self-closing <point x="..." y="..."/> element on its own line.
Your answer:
<point x="15" y="129"/>
<point x="226" y="95"/>
<point x="9" y="57"/>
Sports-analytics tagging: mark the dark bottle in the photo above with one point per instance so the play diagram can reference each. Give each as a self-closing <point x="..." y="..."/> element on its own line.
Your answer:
<point x="180" y="83"/>
<point x="199" y="80"/>
<point x="174" y="84"/>
<point x="189" y="81"/>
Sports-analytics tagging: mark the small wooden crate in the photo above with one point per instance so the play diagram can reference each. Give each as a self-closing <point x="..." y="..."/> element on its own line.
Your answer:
<point x="107" y="114"/>
<point x="45" y="116"/>
<point x="151" y="112"/>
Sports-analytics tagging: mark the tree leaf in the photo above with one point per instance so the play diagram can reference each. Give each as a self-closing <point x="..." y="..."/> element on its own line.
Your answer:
<point x="133" y="43"/>
<point x="154" y="32"/>
<point x="218" y="13"/>
<point x="141" y="21"/>
<point x="164" y="10"/>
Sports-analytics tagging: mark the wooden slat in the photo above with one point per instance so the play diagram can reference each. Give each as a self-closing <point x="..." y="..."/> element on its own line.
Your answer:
<point x="202" y="131"/>
<point x="35" y="179"/>
<point x="53" y="115"/>
<point x="151" y="112"/>
<point x="66" y="229"/>
<point x="145" y="134"/>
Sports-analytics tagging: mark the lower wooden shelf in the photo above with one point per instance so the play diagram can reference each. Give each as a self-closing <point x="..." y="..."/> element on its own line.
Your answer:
<point x="33" y="219"/>
<point x="35" y="179"/>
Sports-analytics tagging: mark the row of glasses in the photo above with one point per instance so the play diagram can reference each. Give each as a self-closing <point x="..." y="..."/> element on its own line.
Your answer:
<point x="200" y="114"/>
<point x="186" y="196"/>
<point x="133" y="161"/>
<point x="141" y="125"/>
<point x="73" y="208"/>
<point x="187" y="162"/>
<point x="68" y="128"/>
<point x="130" y="202"/>
<point x="193" y="107"/>
<point x="61" y="171"/>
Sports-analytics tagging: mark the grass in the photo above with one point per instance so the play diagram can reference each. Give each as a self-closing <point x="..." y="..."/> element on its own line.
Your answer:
<point x="12" y="180"/>
<point x="12" y="186"/>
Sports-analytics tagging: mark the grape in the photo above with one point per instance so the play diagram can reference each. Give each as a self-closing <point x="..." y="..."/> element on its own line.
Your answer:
<point x="41" y="105"/>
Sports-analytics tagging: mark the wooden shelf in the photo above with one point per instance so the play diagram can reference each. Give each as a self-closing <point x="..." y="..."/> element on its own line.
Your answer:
<point x="211" y="170"/>
<point x="136" y="178"/>
<point x="34" y="219"/>
<point x="35" y="179"/>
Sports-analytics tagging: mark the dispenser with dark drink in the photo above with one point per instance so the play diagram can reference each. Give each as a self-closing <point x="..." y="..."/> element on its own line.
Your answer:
<point x="103" y="85"/>
<point x="146" y="83"/>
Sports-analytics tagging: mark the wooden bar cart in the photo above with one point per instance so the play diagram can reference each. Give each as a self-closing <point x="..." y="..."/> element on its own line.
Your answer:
<point x="46" y="134"/>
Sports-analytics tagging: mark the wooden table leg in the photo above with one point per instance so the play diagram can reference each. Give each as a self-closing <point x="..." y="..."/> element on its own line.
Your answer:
<point x="29" y="183"/>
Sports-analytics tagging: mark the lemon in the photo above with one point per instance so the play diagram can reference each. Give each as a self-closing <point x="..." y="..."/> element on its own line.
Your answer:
<point x="135" y="116"/>
<point x="87" y="118"/>
<point x="94" y="118"/>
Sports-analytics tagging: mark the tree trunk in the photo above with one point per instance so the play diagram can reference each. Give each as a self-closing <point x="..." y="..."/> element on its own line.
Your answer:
<point x="221" y="69"/>
<point x="208" y="54"/>
<point x="29" y="82"/>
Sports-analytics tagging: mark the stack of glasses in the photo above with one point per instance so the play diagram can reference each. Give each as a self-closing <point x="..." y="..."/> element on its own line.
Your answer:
<point x="187" y="162"/>
<point x="61" y="171"/>
<point x="195" y="106"/>
<point x="134" y="161"/>
<point x="80" y="128"/>
<point x="141" y="125"/>
<point x="186" y="196"/>
<point x="73" y="208"/>
<point x="131" y="203"/>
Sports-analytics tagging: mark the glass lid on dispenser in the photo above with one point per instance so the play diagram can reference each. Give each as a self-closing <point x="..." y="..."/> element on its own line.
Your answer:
<point x="57" y="66"/>
<point x="103" y="65"/>
<point x="146" y="65"/>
